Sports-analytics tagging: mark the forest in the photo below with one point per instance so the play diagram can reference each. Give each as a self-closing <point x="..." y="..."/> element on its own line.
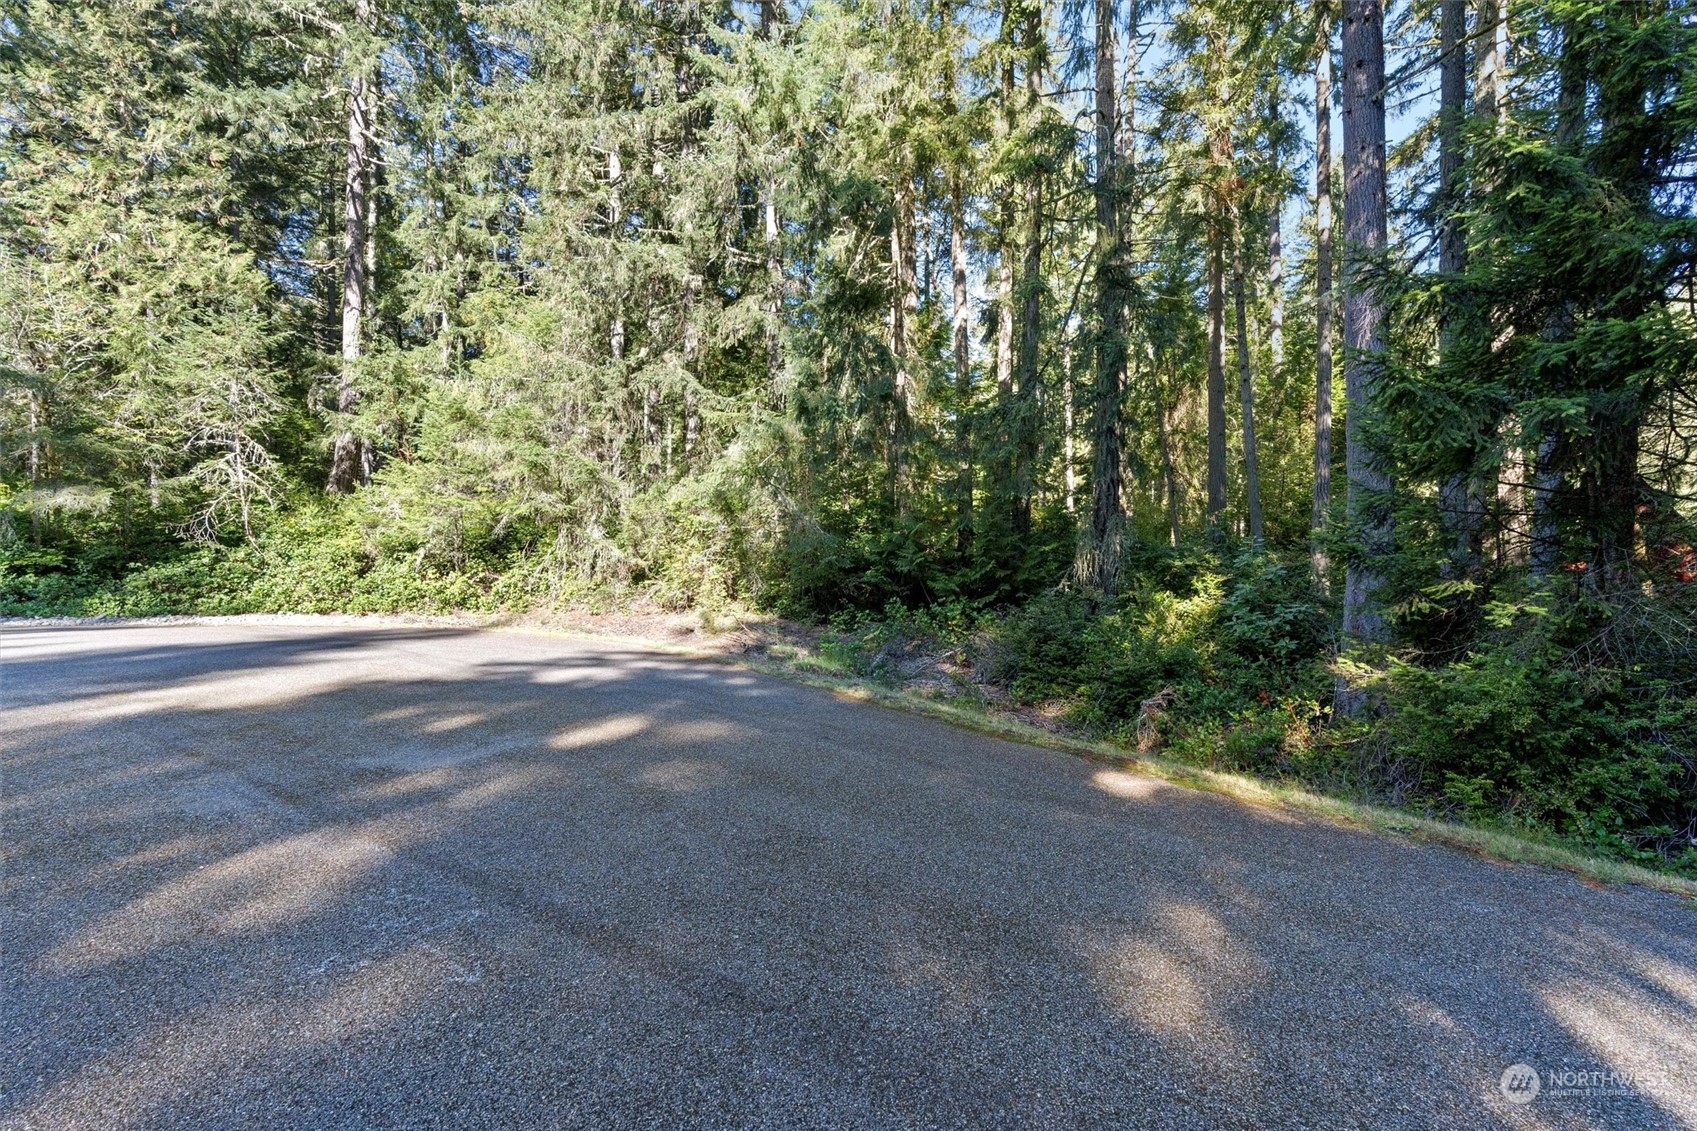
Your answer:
<point x="1303" y="390"/>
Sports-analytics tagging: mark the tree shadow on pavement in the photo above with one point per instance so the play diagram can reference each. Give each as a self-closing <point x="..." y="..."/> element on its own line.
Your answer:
<point x="343" y="877"/>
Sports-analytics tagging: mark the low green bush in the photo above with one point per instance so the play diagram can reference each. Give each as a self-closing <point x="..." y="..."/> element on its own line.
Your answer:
<point x="1224" y="641"/>
<point x="1523" y="740"/>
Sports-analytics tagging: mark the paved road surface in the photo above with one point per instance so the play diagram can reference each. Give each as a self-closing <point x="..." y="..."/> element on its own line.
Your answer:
<point x="317" y="876"/>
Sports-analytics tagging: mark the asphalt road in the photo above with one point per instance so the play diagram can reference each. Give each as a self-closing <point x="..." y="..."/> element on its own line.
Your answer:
<point x="317" y="876"/>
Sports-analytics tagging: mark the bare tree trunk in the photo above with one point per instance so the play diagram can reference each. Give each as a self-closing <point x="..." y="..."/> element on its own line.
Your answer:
<point x="1169" y="472"/>
<point x="1458" y="495"/>
<point x="34" y="402"/>
<point x="615" y="220"/>
<point x="692" y="357"/>
<point x="1025" y="367"/>
<point x="36" y="415"/>
<point x="1490" y="58"/>
<point x="1276" y="288"/>
<point x="1070" y="423"/>
<point x="348" y="461"/>
<point x="1452" y="109"/>
<point x="1002" y="485"/>
<point x="1546" y="549"/>
<point x="1031" y="308"/>
<point x="651" y="454"/>
<point x="1322" y="294"/>
<point x="373" y="190"/>
<point x="904" y="303"/>
<point x="1364" y="222"/>
<point x="1025" y="424"/>
<point x="1544" y="552"/>
<point x="770" y="16"/>
<point x="1216" y="374"/>
<point x="1246" y="392"/>
<point x="775" y="294"/>
<point x="1220" y="171"/>
<point x="1004" y="323"/>
<point x="961" y="335"/>
<point x="911" y="275"/>
<point x="1490" y="65"/>
<point x="1005" y="230"/>
<point x="1099" y="560"/>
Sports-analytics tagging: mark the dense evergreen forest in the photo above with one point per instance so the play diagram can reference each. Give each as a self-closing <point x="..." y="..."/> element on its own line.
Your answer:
<point x="1307" y="390"/>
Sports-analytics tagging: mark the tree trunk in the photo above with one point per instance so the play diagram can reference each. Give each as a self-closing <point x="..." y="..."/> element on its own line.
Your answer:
<point x="1276" y="288"/>
<point x="1452" y="109"/>
<point x="692" y="359"/>
<point x="911" y="276"/>
<point x="1546" y="549"/>
<point x="1458" y="495"/>
<point x="1025" y="369"/>
<point x="1169" y="473"/>
<point x="1322" y="294"/>
<point x="1544" y="553"/>
<point x="1216" y="373"/>
<point x="961" y="334"/>
<point x="1368" y="500"/>
<point x="904" y="303"/>
<point x="1490" y="58"/>
<point x="1246" y="393"/>
<point x="348" y="461"/>
<point x="652" y="456"/>
<point x="1100" y="558"/>
<point x="1030" y="311"/>
<point x="615" y="220"/>
<point x="774" y="294"/>
<point x="1005" y="249"/>
<point x="769" y="17"/>
<point x="1489" y="44"/>
<point x="1220" y="172"/>
<point x="1070" y="424"/>
<point x="35" y="423"/>
<point x="373" y="190"/>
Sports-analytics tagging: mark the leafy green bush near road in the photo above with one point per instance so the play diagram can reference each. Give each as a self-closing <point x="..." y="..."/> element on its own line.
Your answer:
<point x="311" y="564"/>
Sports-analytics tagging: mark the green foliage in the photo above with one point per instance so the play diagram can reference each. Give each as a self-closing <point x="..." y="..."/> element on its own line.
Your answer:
<point x="887" y="644"/>
<point x="1493" y="731"/>
<point x="1519" y="739"/>
<point x="1217" y="658"/>
<point x="1109" y="663"/>
<point x="1271" y="612"/>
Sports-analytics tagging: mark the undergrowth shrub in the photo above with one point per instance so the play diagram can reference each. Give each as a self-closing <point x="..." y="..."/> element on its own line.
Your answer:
<point x="1221" y="663"/>
<point x="1544" y="728"/>
<point x="897" y="642"/>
